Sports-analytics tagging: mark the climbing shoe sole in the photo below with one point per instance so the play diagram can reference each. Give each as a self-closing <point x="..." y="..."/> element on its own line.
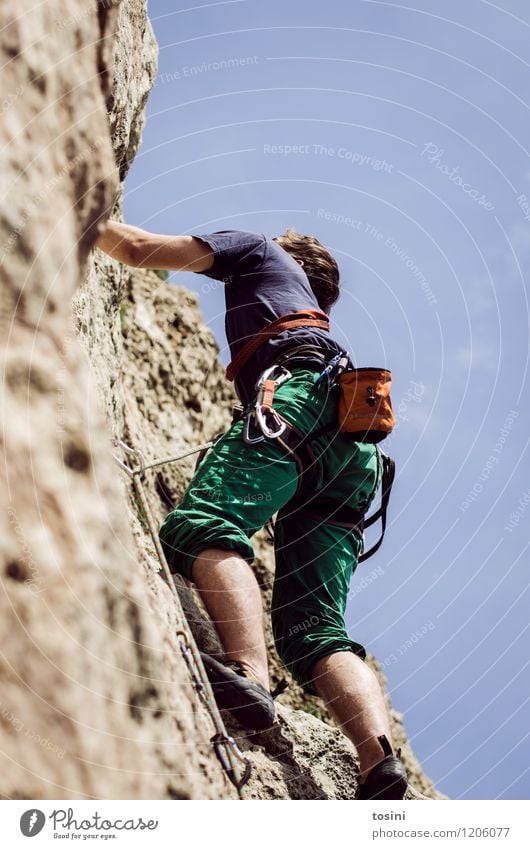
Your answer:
<point x="247" y="700"/>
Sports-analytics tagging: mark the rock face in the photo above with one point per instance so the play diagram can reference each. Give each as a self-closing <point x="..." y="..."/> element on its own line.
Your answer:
<point x="95" y="696"/>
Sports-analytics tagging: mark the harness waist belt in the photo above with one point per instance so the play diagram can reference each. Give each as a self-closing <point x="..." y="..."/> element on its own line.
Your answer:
<point x="305" y="353"/>
<point x="291" y="321"/>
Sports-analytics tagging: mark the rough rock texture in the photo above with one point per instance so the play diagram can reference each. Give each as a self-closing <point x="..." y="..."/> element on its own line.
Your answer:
<point x="95" y="698"/>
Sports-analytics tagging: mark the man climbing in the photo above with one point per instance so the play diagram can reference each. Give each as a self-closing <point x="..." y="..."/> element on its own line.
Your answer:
<point x="317" y="486"/>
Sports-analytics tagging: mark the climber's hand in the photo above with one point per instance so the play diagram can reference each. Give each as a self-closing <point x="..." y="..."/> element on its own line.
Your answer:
<point x="142" y="249"/>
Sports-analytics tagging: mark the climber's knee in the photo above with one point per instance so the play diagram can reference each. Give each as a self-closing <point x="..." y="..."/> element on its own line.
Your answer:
<point x="185" y="533"/>
<point x="303" y="639"/>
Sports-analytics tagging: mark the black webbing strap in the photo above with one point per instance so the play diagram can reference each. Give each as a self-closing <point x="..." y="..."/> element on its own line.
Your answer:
<point x="296" y="445"/>
<point x="337" y="515"/>
<point x="304" y="355"/>
<point x="330" y="513"/>
<point x="389" y="473"/>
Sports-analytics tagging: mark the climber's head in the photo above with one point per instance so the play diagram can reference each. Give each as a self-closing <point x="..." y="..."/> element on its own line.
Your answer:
<point x="321" y="269"/>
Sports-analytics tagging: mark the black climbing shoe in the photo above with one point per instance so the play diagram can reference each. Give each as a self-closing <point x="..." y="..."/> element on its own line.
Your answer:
<point x="250" y="703"/>
<point x="387" y="779"/>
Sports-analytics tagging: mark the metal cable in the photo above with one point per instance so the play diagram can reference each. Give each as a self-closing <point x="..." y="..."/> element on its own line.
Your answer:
<point x="225" y="747"/>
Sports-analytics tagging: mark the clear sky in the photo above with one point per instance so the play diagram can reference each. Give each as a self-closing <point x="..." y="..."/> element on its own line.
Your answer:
<point x="399" y="137"/>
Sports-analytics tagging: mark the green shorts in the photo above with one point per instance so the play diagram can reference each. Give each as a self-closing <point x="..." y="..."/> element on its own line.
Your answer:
<point x="238" y="487"/>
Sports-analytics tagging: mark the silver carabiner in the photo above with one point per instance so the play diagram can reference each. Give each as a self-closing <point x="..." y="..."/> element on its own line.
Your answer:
<point x="139" y="467"/>
<point x="267" y="373"/>
<point x="247" y="438"/>
<point x="261" y="417"/>
<point x="257" y="414"/>
<point x="264" y="425"/>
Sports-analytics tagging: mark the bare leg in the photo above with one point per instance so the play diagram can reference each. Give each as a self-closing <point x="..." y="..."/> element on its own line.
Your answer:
<point x="232" y="597"/>
<point x="352" y="693"/>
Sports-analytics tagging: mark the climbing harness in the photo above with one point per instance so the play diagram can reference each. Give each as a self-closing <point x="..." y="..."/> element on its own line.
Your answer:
<point x="364" y="413"/>
<point x="298" y="445"/>
<point x="364" y="409"/>
<point x="236" y="765"/>
<point x="291" y="321"/>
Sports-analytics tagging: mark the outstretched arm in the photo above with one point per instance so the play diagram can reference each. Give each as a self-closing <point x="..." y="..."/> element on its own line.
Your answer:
<point x="142" y="249"/>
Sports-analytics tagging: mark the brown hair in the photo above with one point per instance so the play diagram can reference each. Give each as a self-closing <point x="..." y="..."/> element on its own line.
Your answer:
<point x="320" y="267"/>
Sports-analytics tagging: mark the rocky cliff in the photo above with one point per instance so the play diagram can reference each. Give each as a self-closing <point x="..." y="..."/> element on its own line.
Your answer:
<point x="96" y="699"/>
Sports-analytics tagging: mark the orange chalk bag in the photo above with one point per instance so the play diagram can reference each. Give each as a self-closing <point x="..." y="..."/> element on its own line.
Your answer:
<point x="365" y="407"/>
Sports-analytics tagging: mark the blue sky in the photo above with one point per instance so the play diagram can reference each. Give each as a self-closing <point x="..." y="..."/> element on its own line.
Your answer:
<point x="399" y="137"/>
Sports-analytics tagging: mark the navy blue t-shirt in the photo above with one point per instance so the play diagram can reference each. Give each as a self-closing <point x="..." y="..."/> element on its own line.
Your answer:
<point x="262" y="283"/>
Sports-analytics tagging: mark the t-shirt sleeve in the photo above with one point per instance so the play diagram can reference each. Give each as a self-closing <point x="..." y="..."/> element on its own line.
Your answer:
<point x="236" y="253"/>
